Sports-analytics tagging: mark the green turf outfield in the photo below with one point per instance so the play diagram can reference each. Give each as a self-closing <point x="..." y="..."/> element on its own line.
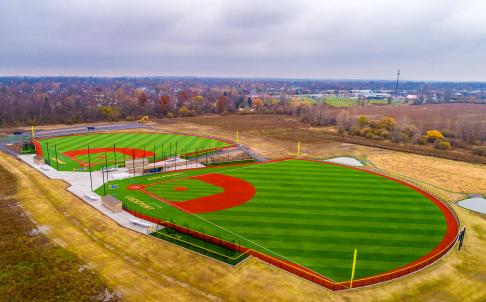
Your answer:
<point x="163" y="145"/>
<point x="313" y="214"/>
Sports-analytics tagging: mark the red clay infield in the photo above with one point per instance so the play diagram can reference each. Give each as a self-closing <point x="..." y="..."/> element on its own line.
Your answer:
<point x="236" y="192"/>
<point x="136" y="153"/>
<point x="180" y="189"/>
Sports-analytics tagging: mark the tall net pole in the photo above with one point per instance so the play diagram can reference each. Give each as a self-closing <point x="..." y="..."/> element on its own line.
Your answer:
<point x="48" y="154"/>
<point x="154" y="158"/>
<point x="89" y="164"/>
<point x="114" y="152"/>
<point x="175" y="157"/>
<point x="143" y="161"/>
<point x="57" y="161"/>
<point x="106" y="163"/>
<point x="207" y="147"/>
<point x="103" y="175"/>
<point x="133" y="161"/>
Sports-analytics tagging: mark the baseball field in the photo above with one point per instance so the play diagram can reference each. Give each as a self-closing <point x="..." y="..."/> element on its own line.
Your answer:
<point x="308" y="213"/>
<point x="79" y="152"/>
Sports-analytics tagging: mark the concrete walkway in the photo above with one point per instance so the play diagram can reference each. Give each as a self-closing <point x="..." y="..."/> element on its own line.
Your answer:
<point x="80" y="185"/>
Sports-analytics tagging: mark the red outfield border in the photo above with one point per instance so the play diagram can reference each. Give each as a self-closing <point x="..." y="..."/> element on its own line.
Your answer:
<point x="236" y="192"/>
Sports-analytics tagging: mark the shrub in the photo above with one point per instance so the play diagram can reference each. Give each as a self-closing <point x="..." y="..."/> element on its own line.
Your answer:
<point x="366" y="131"/>
<point x="388" y="123"/>
<point x="433" y="135"/>
<point x="355" y="131"/>
<point x="481" y="151"/>
<point x="383" y="133"/>
<point x="422" y="140"/>
<point x="362" y="121"/>
<point x="457" y="143"/>
<point x="449" y="133"/>
<point x="443" y="145"/>
<point x="403" y="137"/>
<point x="410" y="131"/>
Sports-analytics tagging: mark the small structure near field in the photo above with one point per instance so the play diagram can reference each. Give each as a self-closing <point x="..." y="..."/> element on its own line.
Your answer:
<point x="111" y="203"/>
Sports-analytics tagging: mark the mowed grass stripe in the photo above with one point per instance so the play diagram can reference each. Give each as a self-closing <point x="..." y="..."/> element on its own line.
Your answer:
<point x="364" y="228"/>
<point x="406" y="240"/>
<point x="351" y="205"/>
<point x="331" y="215"/>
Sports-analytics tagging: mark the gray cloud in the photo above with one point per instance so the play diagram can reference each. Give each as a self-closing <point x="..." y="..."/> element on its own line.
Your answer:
<point x="427" y="39"/>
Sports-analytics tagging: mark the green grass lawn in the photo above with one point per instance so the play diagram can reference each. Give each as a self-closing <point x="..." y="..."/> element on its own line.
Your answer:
<point x="340" y="102"/>
<point x="313" y="214"/>
<point x="164" y="145"/>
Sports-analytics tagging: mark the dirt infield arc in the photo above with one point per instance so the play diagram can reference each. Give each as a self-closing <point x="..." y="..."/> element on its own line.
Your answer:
<point x="440" y="250"/>
<point x="236" y="192"/>
<point x="135" y="153"/>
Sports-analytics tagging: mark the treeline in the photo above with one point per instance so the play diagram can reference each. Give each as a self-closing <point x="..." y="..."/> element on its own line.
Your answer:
<point x="71" y="100"/>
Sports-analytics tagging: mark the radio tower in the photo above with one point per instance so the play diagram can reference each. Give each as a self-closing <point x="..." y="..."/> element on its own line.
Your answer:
<point x="396" y="85"/>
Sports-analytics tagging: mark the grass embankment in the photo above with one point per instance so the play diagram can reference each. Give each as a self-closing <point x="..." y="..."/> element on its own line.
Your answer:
<point x="32" y="267"/>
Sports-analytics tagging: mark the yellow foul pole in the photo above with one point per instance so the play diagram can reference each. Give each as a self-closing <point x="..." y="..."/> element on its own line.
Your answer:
<point x="298" y="148"/>
<point x="354" y="268"/>
<point x="237" y="137"/>
<point x="33" y="136"/>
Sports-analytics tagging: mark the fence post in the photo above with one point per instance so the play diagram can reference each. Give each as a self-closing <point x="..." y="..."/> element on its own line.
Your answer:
<point x="89" y="164"/>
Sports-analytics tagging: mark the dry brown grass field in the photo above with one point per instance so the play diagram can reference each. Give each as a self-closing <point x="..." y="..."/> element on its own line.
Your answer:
<point x="426" y="117"/>
<point x="146" y="269"/>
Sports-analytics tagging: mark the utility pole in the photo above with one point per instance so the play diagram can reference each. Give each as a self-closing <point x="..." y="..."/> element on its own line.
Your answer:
<point x="396" y="85"/>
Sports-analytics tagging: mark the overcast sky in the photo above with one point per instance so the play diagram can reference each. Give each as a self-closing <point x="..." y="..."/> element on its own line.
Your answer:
<point x="325" y="39"/>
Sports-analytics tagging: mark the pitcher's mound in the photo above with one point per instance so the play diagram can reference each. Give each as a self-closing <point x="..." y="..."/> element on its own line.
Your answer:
<point x="180" y="189"/>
